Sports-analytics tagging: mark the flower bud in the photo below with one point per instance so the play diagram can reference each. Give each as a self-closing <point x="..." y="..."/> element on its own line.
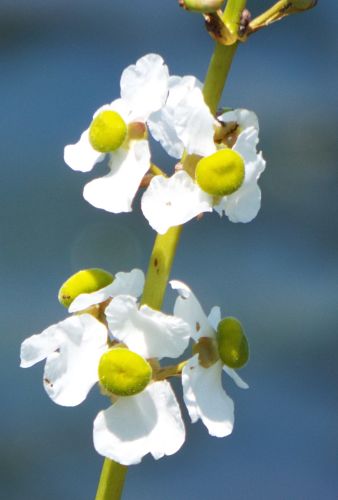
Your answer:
<point x="202" y="5"/>
<point x="123" y="372"/>
<point x="85" y="281"/>
<point x="303" y="4"/>
<point x="107" y="131"/>
<point x="221" y="173"/>
<point x="233" y="346"/>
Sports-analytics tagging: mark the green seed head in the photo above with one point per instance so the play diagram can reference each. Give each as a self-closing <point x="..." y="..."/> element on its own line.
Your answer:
<point x="221" y="173"/>
<point x="85" y="281"/>
<point x="201" y="5"/>
<point x="123" y="372"/>
<point x="107" y="131"/>
<point x="233" y="346"/>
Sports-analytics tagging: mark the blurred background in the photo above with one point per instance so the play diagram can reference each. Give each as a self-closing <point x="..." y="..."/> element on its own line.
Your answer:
<point x="59" y="62"/>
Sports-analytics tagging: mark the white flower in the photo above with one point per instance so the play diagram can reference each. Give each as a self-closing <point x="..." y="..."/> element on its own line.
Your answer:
<point x="240" y="206"/>
<point x="144" y="88"/>
<point x="204" y="395"/>
<point x="148" y="422"/>
<point x="72" y="349"/>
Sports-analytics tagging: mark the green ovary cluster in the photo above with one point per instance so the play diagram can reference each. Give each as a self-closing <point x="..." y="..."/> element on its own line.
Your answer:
<point x="85" y="281"/>
<point x="107" y="131"/>
<point x="233" y="346"/>
<point x="203" y="5"/>
<point x="221" y="173"/>
<point x="123" y="372"/>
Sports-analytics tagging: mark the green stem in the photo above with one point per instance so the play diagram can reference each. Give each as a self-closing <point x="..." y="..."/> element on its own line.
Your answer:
<point x="232" y="14"/>
<point x="218" y="70"/>
<point x="162" y="256"/>
<point x="111" y="481"/>
<point x="160" y="263"/>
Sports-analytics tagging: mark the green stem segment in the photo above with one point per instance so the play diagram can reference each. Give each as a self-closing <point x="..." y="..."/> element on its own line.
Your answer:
<point x="111" y="481"/>
<point x="162" y="257"/>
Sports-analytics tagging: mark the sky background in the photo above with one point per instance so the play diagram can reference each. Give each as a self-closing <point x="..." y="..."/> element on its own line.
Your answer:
<point x="61" y="60"/>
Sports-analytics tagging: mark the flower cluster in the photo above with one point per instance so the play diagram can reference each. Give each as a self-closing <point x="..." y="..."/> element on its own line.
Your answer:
<point x="112" y="340"/>
<point x="219" y="167"/>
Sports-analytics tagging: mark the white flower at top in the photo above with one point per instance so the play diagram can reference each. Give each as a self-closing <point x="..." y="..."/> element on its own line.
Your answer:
<point x="162" y="202"/>
<point x="203" y="393"/>
<point x="144" y="88"/>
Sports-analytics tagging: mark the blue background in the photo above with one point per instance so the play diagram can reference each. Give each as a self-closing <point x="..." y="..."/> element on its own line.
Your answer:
<point x="59" y="61"/>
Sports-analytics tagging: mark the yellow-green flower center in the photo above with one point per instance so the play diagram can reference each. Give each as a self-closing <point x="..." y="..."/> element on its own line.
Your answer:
<point x="107" y="131"/>
<point x="85" y="281"/>
<point x="221" y="173"/>
<point x="123" y="372"/>
<point x="233" y="346"/>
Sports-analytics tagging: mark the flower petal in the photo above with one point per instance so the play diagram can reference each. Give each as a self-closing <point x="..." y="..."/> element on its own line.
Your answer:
<point x="214" y="317"/>
<point x="76" y="345"/>
<point x="185" y="121"/>
<point x="149" y="422"/>
<point x="243" y="117"/>
<point x="206" y="399"/>
<point x="189" y="309"/>
<point x="71" y="373"/>
<point x="150" y="333"/>
<point x="235" y="377"/>
<point x="173" y="201"/>
<point x="243" y="205"/>
<point x="82" y="156"/>
<point x="115" y="191"/>
<point x="124" y="283"/>
<point x="246" y="146"/>
<point x="144" y="86"/>
<point x="39" y="346"/>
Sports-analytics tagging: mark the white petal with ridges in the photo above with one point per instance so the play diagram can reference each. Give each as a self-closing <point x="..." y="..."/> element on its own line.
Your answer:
<point x="82" y="156"/>
<point x="72" y="361"/>
<point x="124" y="283"/>
<point x="149" y="422"/>
<point x="189" y="309"/>
<point x="173" y="201"/>
<point x="150" y="333"/>
<point x="144" y="86"/>
<point x="115" y="191"/>
<point x="206" y="399"/>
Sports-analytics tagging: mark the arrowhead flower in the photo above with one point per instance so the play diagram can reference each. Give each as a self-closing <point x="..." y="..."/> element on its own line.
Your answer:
<point x="118" y="129"/>
<point x="149" y="421"/>
<point x="234" y="135"/>
<point x="121" y="353"/>
<point x="203" y="393"/>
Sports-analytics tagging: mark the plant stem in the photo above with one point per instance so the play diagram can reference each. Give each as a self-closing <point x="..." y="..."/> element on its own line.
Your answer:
<point x="232" y="14"/>
<point x="162" y="256"/>
<point x="111" y="481"/>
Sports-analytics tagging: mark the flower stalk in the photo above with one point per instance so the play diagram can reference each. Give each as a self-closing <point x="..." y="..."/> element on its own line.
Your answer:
<point x="164" y="250"/>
